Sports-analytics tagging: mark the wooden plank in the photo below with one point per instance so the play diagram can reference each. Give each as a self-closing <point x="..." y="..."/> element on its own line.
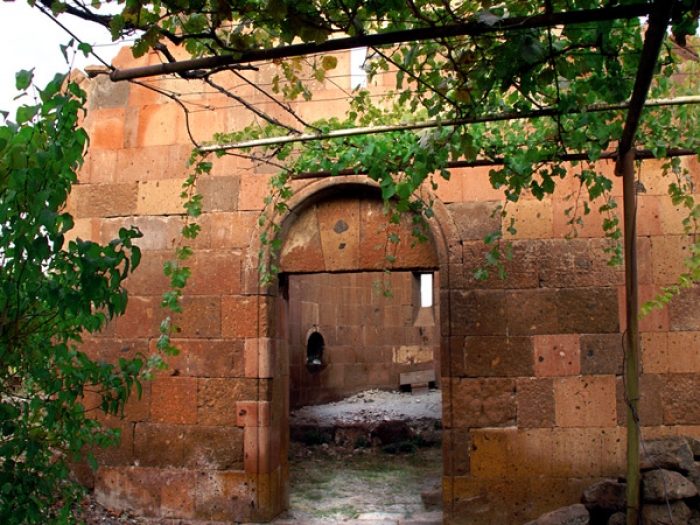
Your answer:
<point x="422" y="376"/>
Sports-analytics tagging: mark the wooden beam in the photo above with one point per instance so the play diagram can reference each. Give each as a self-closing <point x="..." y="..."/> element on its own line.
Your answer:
<point x="389" y="38"/>
<point x="425" y="124"/>
<point x="499" y="161"/>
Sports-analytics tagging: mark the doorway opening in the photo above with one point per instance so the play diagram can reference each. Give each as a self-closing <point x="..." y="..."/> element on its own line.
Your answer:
<point x="363" y="441"/>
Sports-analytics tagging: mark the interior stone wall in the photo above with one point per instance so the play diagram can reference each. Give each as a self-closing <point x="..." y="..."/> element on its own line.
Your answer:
<point x="370" y="337"/>
<point x="533" y="403"/>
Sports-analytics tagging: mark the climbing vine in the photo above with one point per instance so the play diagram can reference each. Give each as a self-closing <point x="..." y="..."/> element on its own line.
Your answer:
<point x="552" y="78"/>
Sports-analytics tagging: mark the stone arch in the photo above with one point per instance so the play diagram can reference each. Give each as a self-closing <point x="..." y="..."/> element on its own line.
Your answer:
<point x="443" y="231"/>
<point x="441" y="227"/>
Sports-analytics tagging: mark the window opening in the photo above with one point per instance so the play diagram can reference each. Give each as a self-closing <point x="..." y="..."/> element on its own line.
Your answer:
<point x="358" y="75"/>
<point x="426" y="290"/>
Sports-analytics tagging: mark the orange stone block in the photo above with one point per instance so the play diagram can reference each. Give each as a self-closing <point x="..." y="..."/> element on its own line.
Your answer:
<point x="207" y="358"/>
<point x="667" y="258"/>
<point x="85" y="229"/>
<point x="161" y="125"/>
<point x="533" y="219"/>
<point x="131" y="127"/>
<point x="142" y="96"/>
<point x="557" y="355"/>
<point x="159" y="233"/>
<point x="153" y="492"/>
<point x="467" y="496"/>
<point x="142" y="318"/>
<point x="216" y="399"/>
<point x="214" y="272"/>
<point x="656" y="358"/>
<point x="100" y="167"/>
<point x="652" y="178"/>
<point x="213" y="448"/>
<point x="125" y="59"/>
<point x="149" y="277"/>
<point x="456" y="451"/>
<point x="553" y="493"/>
<point x="576" y="452"/>
<point x="143" y="164"/>
<point x="692" y="164"/>
<point x="123" y="453"/>
<point x="232" y="164"/>
<point x="510" y="502"/>
<point x="160" y="197"/>
<point x="246" y="316"/>
<point x="475" y="220"/>
<point x="648" y="215"/>
<point x="586" y="401"/>
<point x="650" y="410"/>
<point x="570" y="222"/>
<point x="535" y="402"/>
<point x="106" y="128"/>
<point x="301" y="249"/>
<point x="476" y="185"/>
<point x="339" y="227"/>
<point x="258" y="450"/>
<point x="449" y="190"/>
<point x="103" y="200"/>
<point x="201" y="316"/>
<point x="174" y="400"/>
<point x="205" y="122"/>
<point x="233" y="230"/>
<point x="158" y="445"/>
<point x="272" y="494"/>
<point x="531" y="453"/>
<point x="491" y="452"/>
<point x="254" y="189"/>
<point x="645" y="268"/>
<point x="672" y="216"/>
<point x="224" y="496"/>
<point x="178" y="155"/>
<point x="613" y="452"/>
<point x="684" y="352"/>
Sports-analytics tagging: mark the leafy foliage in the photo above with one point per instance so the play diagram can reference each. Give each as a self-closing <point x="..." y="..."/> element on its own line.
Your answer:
<point x="52" y="291"/>
<point x="524" y="96"/>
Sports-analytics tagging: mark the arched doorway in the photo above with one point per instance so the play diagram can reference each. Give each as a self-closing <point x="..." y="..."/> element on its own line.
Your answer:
<point x="357" y="320"/>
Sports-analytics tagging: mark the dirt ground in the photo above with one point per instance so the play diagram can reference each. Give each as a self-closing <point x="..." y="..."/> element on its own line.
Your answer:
<point x="352" y="481"/>
<point x="341" y="472"/>
<point x="362" y="486"/>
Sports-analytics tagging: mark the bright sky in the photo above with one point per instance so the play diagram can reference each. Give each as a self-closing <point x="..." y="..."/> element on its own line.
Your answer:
<point x="29" y="39"/>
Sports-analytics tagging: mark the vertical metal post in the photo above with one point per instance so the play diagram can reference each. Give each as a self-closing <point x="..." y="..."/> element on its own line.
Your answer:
<point x="631" y="372"/>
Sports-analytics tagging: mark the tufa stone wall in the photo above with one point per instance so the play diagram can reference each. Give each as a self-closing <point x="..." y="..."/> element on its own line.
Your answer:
<point x="530" y="366"/>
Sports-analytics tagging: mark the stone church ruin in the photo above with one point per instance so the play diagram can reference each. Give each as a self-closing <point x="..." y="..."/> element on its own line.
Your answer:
<point x="530" y="367"/>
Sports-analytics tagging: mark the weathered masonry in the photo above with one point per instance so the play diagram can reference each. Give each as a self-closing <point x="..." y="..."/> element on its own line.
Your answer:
<point x="530" y="367"/>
